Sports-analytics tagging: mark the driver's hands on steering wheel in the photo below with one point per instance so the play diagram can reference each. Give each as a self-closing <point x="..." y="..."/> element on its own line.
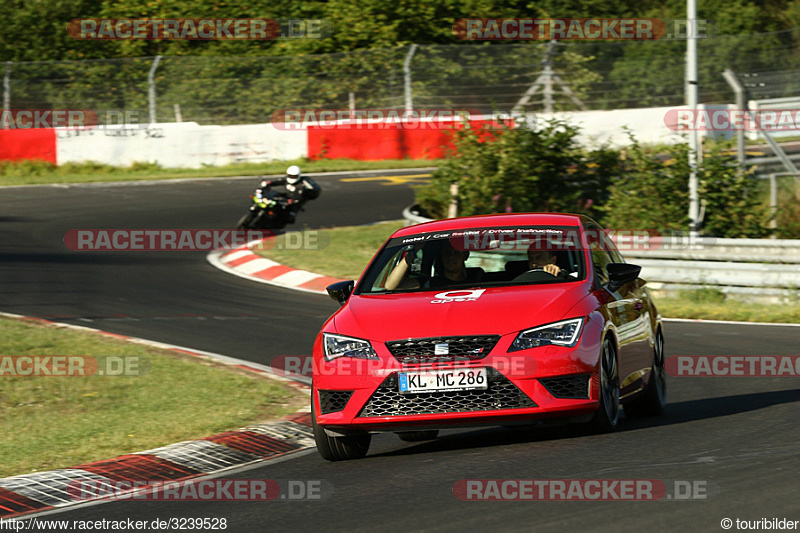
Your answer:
<point x="552" y="269"/>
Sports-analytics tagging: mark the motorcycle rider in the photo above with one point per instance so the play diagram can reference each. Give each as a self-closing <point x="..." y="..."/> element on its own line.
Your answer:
<point x="299" y="189"/>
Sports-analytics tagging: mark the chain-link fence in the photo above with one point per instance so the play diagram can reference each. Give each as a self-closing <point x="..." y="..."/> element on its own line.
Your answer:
<point x="481" y="77"/>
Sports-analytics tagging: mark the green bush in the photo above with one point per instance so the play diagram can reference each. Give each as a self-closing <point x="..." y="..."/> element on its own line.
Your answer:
<point x="30" y="167"/>
<point x="650" y="192"/>
<point x="542" y="168"/>
<point x="527" y="168"/>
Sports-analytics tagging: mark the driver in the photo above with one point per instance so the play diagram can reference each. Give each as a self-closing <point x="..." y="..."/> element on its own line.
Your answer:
<point x="539" y="259"/>
<point x="299" y="189"/>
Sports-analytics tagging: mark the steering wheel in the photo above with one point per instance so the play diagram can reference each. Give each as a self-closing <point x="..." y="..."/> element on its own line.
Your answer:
<point x="535" y="274"/>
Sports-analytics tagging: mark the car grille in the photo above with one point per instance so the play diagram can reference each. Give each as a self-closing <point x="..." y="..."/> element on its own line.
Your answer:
<point x="416" y="351"/>
<point x="501" y="394"/>
<point x="575" y="386"/>
<point x="331" y="401"/>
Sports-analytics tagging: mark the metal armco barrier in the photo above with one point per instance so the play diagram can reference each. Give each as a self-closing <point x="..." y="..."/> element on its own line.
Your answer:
<point x="754" y="267"/>
<point x="723" y="273"/>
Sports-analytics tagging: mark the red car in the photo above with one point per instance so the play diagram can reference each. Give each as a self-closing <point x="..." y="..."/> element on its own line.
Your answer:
<point x="486" y="320"/>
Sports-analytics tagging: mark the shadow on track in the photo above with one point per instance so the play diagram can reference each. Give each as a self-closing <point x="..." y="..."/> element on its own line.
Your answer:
<point x="676" y="413"/>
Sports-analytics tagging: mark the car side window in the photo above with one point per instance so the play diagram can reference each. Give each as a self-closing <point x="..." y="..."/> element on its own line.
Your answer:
<point x="616" y="257"/>
<point x="600" y="252"/>
<point x="601" y="259"/>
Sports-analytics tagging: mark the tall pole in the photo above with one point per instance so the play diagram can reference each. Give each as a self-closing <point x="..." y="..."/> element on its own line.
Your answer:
<point x="738" y="90"/>
<point x="691" y="101"/>
<point x="407" y="77"/>
<point x="151" y="89"/>
<point x="7" y="89"/>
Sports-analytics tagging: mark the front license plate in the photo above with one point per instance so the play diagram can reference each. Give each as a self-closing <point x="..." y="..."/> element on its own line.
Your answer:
<point x="443" y="380"/>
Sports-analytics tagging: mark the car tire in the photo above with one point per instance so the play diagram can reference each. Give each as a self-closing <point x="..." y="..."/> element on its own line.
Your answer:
<point x="606" y="418"/>
<point x="418" y="436"/>
<point x="652" y="401"/>
<point x="339" y="448"/>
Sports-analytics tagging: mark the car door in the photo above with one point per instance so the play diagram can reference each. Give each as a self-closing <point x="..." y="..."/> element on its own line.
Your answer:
<point x="622" y="306"/>
<point x="634" y="294"/>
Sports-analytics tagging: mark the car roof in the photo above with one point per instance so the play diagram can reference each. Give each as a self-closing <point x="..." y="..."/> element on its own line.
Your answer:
<point x="497" y="220"/>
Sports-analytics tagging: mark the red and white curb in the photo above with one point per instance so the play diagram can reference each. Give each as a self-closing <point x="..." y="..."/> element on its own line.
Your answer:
<point x="244" y="263"/>
<point x="43" y="491"/>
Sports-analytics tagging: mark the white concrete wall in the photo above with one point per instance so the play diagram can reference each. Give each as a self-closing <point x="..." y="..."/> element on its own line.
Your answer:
<point x="649" y="125"/>
<point x="184" y="144"/>
<point x="190" y="145"/>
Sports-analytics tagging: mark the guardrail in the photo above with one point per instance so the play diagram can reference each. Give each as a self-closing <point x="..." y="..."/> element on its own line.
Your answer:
<point x="766" y="269"/>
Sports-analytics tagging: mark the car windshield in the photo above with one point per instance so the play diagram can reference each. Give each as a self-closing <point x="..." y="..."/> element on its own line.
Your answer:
<point x="476" y="257"/>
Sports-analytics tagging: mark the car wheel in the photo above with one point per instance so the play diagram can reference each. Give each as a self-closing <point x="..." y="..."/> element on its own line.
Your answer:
<point x="607" y="415"/>
<point x="654" y="398"/>
<point x="418" y="436"/>
<point x="338" y="448"/>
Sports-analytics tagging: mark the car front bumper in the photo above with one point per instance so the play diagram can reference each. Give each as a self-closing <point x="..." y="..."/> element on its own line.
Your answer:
<point x="548" y="382"/>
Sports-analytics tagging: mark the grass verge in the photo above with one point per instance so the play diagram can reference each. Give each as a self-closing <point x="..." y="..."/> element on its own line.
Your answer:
<point x="49" y="422"/>
<point x="339" y="252"/>
<point x="711" y="304"/>
<point x="344" y="253"/>
<point x="42" y="172"/>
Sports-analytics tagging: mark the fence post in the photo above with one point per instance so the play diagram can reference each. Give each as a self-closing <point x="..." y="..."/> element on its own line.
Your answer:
<point x="452" y="209"/>
<point x="773" y="204"/>
<point x="738" y="90"/>
<point x="151" y="89"/>
<point x="407" y="77"/>
<point x="7" y="89"/>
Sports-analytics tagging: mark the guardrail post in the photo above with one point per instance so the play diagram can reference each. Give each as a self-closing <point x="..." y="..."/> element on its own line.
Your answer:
<point x="773" y="203"/>
<point x="452" y="209"/>
<point x="7" y="89"/>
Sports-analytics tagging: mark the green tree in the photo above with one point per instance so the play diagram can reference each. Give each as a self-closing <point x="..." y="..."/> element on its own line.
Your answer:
<point x="733" y="205"/>
<point x="650" y="192"/>
<point x="533" y="167"/>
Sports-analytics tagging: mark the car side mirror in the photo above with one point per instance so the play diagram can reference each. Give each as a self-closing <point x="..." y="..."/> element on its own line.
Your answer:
<point x="621" y="273"/>
<point x="341" y="290"/>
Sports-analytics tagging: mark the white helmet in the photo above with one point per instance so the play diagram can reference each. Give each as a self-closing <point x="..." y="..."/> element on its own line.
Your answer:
<point x="292" y="174"/>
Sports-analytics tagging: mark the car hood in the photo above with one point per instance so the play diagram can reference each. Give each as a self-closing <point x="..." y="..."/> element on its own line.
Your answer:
<point x="495" y="310"/>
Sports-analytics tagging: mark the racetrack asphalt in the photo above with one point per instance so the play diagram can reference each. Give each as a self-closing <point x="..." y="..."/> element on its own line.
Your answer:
<point x="740" y="435"/>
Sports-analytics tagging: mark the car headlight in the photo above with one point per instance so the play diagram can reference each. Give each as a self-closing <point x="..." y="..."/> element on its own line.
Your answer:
<point x="564" y="333"/>
<point x="340" y="346"/>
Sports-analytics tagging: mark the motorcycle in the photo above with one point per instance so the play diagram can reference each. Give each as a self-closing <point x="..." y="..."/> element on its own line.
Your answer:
<point x="270" y="211"/>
